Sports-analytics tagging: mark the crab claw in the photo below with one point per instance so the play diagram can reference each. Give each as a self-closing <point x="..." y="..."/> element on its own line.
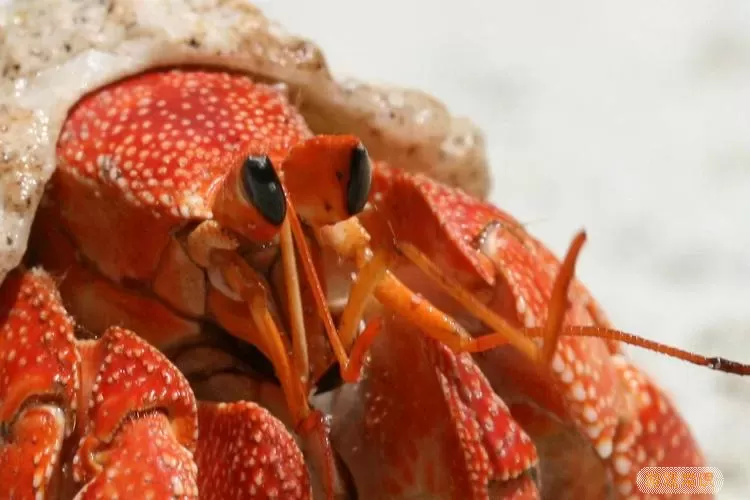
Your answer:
<point x="425" y="422"/>
<point x="126" y="413"/>
<point x="140" y="421"/>
<point x="144" y="459"/>
<point x="245" y="452"/>
<point x="39" y="379"/>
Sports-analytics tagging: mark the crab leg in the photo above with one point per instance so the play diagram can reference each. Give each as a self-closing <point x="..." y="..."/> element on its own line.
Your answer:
<point x="37" y="415"/>
<point x="154" y="419"/>
<point x="558" y="300"/>
<point x="439" y="431"/>
<point x="127" y="414"/>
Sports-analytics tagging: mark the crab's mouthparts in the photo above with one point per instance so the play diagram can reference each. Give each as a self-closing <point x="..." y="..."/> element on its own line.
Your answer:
<point x="216" y="279"/>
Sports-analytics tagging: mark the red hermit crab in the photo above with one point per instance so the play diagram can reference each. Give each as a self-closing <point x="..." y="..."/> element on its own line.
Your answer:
<point x="218" y="220"/>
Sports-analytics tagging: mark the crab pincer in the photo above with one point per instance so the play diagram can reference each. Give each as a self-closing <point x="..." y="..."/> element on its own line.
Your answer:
<point x="126" y="413"/>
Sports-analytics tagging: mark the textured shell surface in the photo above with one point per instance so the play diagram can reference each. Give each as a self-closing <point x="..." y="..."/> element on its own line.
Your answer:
<point x="52" y="52"/>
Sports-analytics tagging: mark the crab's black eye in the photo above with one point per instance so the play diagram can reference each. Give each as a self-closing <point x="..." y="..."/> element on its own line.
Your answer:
<point x="263" y="188"/>
<point x="360" y="177"/>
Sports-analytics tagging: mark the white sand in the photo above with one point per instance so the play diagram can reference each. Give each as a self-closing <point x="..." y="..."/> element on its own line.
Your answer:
<point x="631" y="119"/>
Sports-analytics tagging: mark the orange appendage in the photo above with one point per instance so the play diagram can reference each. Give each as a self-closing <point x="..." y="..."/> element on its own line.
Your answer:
<point x="448" y="222"/>
<point x="713" y="362"/>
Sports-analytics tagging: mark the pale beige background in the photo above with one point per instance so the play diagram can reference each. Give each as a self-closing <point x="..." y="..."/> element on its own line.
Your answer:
<point x="631" y="119"/>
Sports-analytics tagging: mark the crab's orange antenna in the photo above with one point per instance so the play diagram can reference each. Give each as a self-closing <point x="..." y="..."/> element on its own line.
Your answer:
<point x="245" y="281"/>
<point x="553" y="329"/>
<point x="294" y="300"/>
<point x="307" y="422"/>
<point x="714" y="363"/>
<point x="308" y="267"/>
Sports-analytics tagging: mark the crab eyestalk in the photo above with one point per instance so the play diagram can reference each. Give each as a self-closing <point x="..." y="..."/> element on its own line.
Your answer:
<point x="250" y="199"/>
<point x="328" y="178"/>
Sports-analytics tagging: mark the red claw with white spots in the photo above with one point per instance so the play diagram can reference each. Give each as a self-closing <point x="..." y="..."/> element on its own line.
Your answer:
<point x="60" y="413"/>
<point x="113" y="418"/>
<point x="190" y="204"/>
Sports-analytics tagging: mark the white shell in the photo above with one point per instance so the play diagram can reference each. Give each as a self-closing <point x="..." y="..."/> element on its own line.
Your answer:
<point x="54" y="51"/>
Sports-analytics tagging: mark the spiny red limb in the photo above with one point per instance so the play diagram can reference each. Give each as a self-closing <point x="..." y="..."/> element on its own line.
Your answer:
<point x="38" y="355"/>
<point x="35" y="436"/>
<point x="139" y="421"/>
<point x="129" y="377"/>
<point x="39" y="385"/>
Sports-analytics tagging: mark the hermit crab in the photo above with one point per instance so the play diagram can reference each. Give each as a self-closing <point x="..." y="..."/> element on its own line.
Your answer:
<point x="228" y="275"/>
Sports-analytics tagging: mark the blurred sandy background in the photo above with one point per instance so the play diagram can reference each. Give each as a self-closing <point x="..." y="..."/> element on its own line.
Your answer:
<point x="631" y="119"/>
